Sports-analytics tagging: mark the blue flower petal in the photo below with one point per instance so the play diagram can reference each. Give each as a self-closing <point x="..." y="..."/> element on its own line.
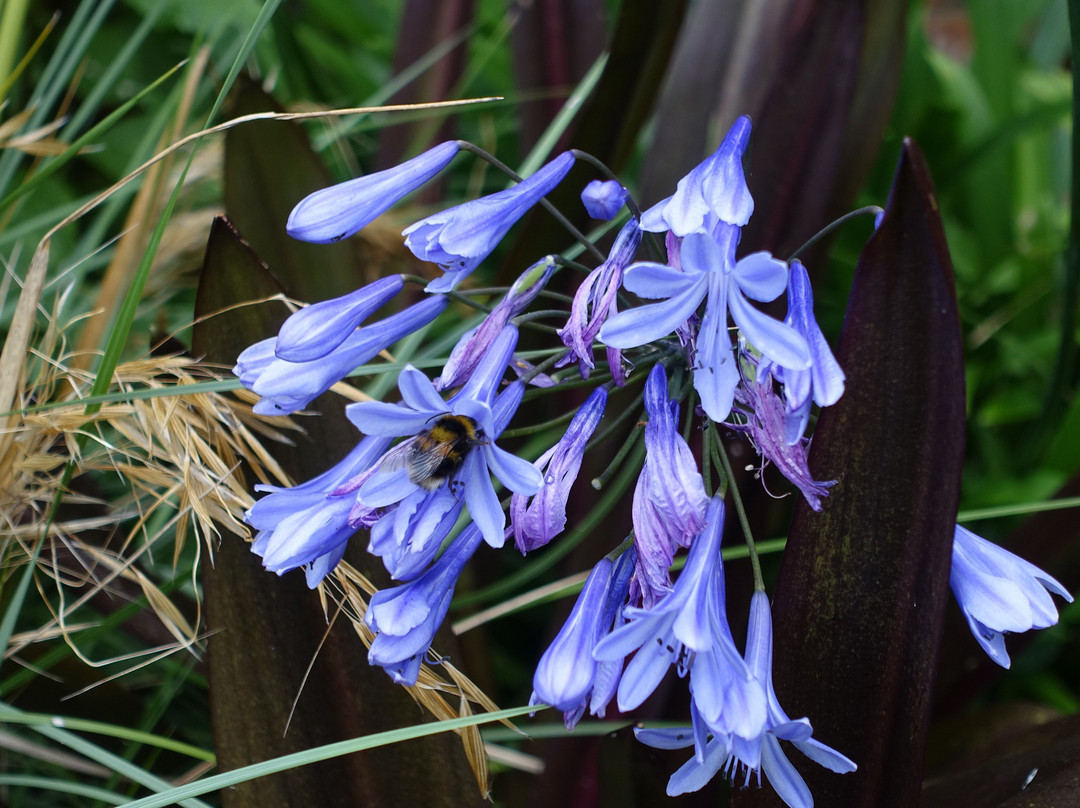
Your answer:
<point x="386" y="488"/>
<point x="337" y="212"/>
<point x="387" y="420"/>
<point x="520" y="476"/>
<point x="761" y="277"/>
<point x="658" y="281"/>
<point x="483" y="504"/>
<point x="316" y="330"/>
<point x="778" y="342"/>
<point x="648" y="323"/>
<point x="419" y="393"/>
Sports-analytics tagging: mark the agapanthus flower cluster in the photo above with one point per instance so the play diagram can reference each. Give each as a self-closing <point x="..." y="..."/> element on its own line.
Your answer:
<point x="421" y="463"/>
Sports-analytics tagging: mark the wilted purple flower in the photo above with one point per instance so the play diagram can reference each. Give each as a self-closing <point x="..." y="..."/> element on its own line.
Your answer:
<point x="459" y="238"/>
<point x="470" y="348"/>
<point x="823" y="381"/>
<point x="567" y="677"/>
<point x="604" y="200"/>
<point x="307" y="525"/>
<point x="670" y="500"/>
<point x="999" y="592"/>
<point x="594" y="300"/>
<point x="539" y="521"/>
<point x="337" y="212"/>
<point x="687" y="627"/>
<point x="714" y="191"/>
<point x="316" y="330"/>
<point x="407" y="616"/>
<point x="422" y="407"/>
<point x="286" y="387"/>
<point x="709" y="272"/>
<point x="766" y="424"/>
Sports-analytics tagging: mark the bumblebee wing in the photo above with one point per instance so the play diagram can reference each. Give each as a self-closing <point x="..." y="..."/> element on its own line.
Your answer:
<point x="423" y="463"/>
<point x="399" y="456"/>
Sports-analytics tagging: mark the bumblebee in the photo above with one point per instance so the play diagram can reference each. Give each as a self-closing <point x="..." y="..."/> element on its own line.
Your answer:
<point x="435" y="454"/>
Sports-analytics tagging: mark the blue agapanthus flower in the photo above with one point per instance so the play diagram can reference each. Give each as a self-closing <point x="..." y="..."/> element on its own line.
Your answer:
<point x="459" y="238"/>
<point x="402" y="481"/>
<point x="999" y="592"/>
<point x="715" y="191"/>
<point x="568" y="677"/>
<point x="688" y="628"/>
<point x="405" y="618"/>
<point x="708" y="271"/>
<point x="308" y="525"/>
<point x="337" y="212"/>
<point x="287" y="386"/>
<point x="753" y="754"/>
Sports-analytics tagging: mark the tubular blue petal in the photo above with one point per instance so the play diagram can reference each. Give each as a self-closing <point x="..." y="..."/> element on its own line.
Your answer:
<point x="386" y="488"/>
<point x="337" y="212"/>
<point x="716" y="374"/>
<point x="700" y="254"/>
<point x="483" y="384"/>
<point x="724" y="186"/>
<point x="506" y="404"/>
<point x="642" y="675"/>
<point x="783" y="777"/>
<point x="316" y="330"/>
<point x="566" y="671"/>
<point x="459" y="238"/>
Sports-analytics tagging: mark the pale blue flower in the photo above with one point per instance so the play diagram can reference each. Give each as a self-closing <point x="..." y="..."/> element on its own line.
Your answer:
<point x="406" y="617"/>
<point x="318" y="329"/>
<point x="708" y="271"/>
<point x="567" y="677"/>
<point x="715" y="191"/>
<point x="756" y="753"/>
<point x="604" y="199"/>
<point x="999" y="592"/>
<point x="337" y="212"/>
<point x="688" y="628"/>
<point x="823" y="382"/>
<point x="459" y="238"/>
<point x="307" y="525"/>
<point x="286" y="387"/>
<point x="539" y="520"/>
<point x="421" y="406"/>
<point x="669" y="500"/>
